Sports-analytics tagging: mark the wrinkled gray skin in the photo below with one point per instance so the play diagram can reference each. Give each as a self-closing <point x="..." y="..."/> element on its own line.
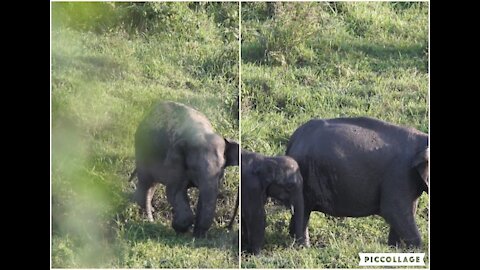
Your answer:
<point x="278" y="177"/>
<point x="175" y="145"/>
<point x="356" y="167"/>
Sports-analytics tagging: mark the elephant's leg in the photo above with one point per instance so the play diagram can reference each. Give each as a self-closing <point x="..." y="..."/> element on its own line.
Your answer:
<point x="244" y="234"/>
<point x="414" y="207"/>
<point x="306" y="219"/>
<point x="402" y="222"/>
<point x="256" y="233"/>
<point x="144" y="193"/>
<point x="255" y="223"/>
<point x="207" y="202"/>
<point x="407" y="230"/>
<point x="182" y="213"/>
<point x="149" y="208"/>
<point x="393" y="238"/>
<point x="306" y="235"/>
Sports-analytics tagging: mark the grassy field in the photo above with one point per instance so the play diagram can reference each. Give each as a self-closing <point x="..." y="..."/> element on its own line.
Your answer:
<point x="110" y="63"/>
<point x="321" y="60"/>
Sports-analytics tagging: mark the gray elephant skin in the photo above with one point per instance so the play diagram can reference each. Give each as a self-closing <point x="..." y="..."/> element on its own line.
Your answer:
<point x="356" y="167"/>
<point x="262" y="177"/>
<point x="176" y="145"/>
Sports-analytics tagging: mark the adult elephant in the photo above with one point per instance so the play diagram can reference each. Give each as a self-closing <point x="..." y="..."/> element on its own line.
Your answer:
<point x="176" y="145"/>
<point x="278" y="177"/>
<point x="356" y="167"/>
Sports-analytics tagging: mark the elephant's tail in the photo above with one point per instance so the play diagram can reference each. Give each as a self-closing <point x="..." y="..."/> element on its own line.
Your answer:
<point x="132" y="175"/>
<point x="230" y="224"/>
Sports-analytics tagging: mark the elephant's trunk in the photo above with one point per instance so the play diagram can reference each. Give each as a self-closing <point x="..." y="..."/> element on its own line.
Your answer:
<point x="235" y="210"/>
<point x="298" y="216"/>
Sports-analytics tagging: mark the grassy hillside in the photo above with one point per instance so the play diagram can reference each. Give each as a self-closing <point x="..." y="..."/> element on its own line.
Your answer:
<point x="321" y="60"/>
<point x="110" y="63"/>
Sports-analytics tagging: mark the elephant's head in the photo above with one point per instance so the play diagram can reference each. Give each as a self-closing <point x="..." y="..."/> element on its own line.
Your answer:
<point x="285" y="183"/>
<point x="231" y="152"/>
<point x="211" y="156"/>
<point x="420" y="164"/>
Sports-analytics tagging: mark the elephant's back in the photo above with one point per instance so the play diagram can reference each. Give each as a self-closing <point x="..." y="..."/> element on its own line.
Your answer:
<point x="167" y="123"/>
<point x="361" y="137"/>
<point x="177" y="119"/>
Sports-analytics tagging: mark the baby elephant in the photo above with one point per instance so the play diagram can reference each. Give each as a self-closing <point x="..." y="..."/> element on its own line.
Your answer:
<point x="278" y="177"/>
<point x="176" y="145"/>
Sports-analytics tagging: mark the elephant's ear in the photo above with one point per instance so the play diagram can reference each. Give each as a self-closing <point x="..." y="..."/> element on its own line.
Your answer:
<point x="231" y="152"/>
<point x="420" y="163"/>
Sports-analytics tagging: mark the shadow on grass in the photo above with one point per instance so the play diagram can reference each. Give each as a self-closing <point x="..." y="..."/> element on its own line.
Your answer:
<point x="278" y="239"/>
<point x="384" y="56"/>
<point x="145" y="231"/>
<point x="100" y="68"/>
<point x="254" y="52"/>
<point x="380" y="56"/>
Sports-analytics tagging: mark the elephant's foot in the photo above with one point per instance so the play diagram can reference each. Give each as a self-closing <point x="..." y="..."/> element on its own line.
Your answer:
<point x="305" y="243"/>
<point x="147" y="214"/>
<point x="393" y="239"/>
<point x="149" y="211"/>
<point x="199" y="233"/>
<point x="302" y="242"/>
<point x="179" y="231"/>
<point x="413" y="243"/>
<point x="182" y="225"/>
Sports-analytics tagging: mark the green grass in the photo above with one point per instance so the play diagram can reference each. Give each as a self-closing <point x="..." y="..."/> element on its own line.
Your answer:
<point x="318" y="60"/>
<point x="112" y="61"/>
<point x="109" y="65"/>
